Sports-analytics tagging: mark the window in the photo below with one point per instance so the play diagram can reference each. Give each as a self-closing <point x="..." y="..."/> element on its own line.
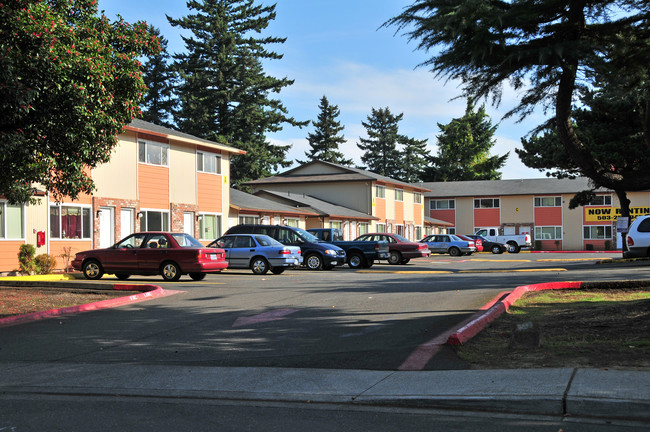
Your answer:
<point x="363" y="228"/>
<point x="417" y="197"/>
<point x="153" y="153"/>
<point x="548" y="233"/>
<point x="251" y="220"/>
<point x="336" y="224"/>
<point x="208" y="162"/>
<point x="11" y="221"/>
<point x="598" y="232"/>
<point x="380" y="191"/>
<point x="399" y="230"/>
<point x="292" y="222"/>
<point x="442" y="204"/>
<point x="381" y="228"/>
<point x="548" y="201"/>
<point x="154" y="221"/>
<point x="70" y="222"/>
<point x="451" y="230"/>
<point x="486" y="203"/>
<point x="601" y="200"/>
<point x="417" y="232"/>
<point x="399" y="195"/>
<point x="210" y="226"/>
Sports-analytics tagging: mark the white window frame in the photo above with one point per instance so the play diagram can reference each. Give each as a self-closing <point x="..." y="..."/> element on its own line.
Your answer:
<point x="217" y="231"/>
<point x="202" y="156"/>
<point x="380" y="191"/>
<point x="3" y="221"/>
<point x="399" y="194"/>
<point x="292" y="222"/>
<point x="146" y="144"/>
<point x="363" y="228"/>
<point x="381" y="228"/>
<point x="417" y="232"/>
<point x="541" y="229"/>
<point x="437" y="204"/>
<point x="587" y="232"/>
<point x="487" y="203"/>
<point x="417" y="197"/>
<point x="144" y="220"/>
<point x="606" y="201"/>
<point x="86" y="227"/>
<point x="336" y="224"/>
<point x="249" y="219"/>
<point x="543" y="201"/>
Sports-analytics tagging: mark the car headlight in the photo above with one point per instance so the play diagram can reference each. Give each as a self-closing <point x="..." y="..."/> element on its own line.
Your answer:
<point x="330" y="252"/>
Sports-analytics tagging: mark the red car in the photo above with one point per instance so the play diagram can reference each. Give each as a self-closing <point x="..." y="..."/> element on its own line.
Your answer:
<point x="150" y="253"/>
<point x="478" y="243"/>
<point x="401" y="250"/>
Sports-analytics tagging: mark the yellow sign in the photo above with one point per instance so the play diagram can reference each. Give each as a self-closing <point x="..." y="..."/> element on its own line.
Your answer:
<point x="608" y="214"/>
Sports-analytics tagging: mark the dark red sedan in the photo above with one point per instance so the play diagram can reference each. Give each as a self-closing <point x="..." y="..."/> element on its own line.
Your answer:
<point x="401" y="250"/>
<point x="150" y="253"/>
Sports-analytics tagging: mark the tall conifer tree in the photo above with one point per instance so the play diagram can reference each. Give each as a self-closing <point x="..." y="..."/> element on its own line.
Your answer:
<point x="159" y="101"/>
<point x="381" y="155"/>
<point x="414" y="157"/>
<point x="225" y="95"/>
<point x="325" y="140"/>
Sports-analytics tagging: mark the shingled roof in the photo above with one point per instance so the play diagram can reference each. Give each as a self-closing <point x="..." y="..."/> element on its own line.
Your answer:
<point x="323" y="208"/>
<point x="247" y="202"/>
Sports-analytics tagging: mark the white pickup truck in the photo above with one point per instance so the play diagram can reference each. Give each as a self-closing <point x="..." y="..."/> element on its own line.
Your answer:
<point x="514" y="241"/>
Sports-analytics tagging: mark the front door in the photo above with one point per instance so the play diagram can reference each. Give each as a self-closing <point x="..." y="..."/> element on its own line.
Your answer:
<point x="126" y="222"/>
<point x="188" y="223"/>
<point x="106" y="227"/>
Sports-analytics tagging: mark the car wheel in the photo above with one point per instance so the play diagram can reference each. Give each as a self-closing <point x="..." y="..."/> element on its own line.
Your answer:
<point x="314" y="262"/>
<point x="93" y="270"/>
<point x="356" y="260"/>
<point x="197" y="276"/>
<point x="496" y="249"/>
<point x="259" y="265"/>
<point x="454" y="251"/>
<point x="277" y="270"/>
<point x="122" y="276"/>
<point x="395" y="258"/>
<point x="170" y="271"/>
<point x="513" y="247"/>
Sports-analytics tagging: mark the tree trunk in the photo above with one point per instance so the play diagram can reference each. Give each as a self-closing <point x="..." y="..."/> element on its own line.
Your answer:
<point x="625" y="212"/>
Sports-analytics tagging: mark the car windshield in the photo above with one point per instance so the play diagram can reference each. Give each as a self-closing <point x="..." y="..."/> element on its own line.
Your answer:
<point x="306" y="236"/>
<point x="186" y="240"/>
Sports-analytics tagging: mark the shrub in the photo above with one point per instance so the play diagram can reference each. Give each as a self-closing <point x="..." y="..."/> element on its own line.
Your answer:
<point x="45" y="263"/>
<point x="26" y="259"/>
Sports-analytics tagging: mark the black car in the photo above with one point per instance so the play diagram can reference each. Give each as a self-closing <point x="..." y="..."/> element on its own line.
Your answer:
<point x="316" y="255"/>
<point x="494" y="247"/>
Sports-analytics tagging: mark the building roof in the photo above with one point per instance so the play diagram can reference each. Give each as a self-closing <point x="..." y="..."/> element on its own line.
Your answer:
<point x="436" y="222"/>
<point x="244" y="201"/>
<point x="540" y="186"/>
<point x="138" y="125"/>
<point x="322" y="208"/>
<point x="336" y="173"/>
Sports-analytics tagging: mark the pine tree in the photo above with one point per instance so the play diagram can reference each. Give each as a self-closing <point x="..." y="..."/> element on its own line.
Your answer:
<point x="159" y="101"/>
<point x="464" y="149"/>
<point x="224" y="94"/>
<point x="414" y="157"/>
<point x="381" y="155"/>
<point x="325" y="141"/>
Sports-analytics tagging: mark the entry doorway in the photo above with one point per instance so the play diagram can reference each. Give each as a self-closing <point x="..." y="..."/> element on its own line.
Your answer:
<point x="106" y="227"/>
<point x="127" y="224"/>
<point x="188" y="223"/>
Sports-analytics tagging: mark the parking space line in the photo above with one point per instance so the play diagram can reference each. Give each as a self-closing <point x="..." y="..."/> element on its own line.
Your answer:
<point x="513" y="270"/>
<point x="406" y="271"/>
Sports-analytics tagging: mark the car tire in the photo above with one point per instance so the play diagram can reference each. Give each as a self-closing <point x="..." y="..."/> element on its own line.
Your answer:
<point x="314" y="262"/>
<point x="170" y="271"/>
<point x="277" y="270"/>
<point x="356" y="261"/>
<point x="496" y="249"/>
<point x="513" y="247"/>
<point x="395" y="258"/>
<point x="197" y="276"/>
<point x="454" y="251"/>
<point x="122" y="276"/>
<point x="92" y="270"/>
<point x="259" y="266"/>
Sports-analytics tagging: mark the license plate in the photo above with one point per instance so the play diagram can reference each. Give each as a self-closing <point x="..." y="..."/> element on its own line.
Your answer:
<point x="213" y="256"/>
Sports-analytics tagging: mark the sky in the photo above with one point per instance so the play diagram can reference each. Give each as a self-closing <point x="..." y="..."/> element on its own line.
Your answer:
<point x="339" y="49"/>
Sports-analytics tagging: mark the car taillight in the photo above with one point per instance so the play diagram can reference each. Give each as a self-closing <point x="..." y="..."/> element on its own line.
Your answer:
<point x="472" y="244"/>
<point x="630" y="241"/>
<point x="423" y="246"/>
<point x="285" y="252"/>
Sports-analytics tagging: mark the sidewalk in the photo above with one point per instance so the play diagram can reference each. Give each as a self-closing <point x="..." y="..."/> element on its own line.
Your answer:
<point x="610" y="394"/>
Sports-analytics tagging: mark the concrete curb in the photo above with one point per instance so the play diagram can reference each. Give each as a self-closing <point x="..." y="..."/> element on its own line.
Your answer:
<point x="148" y="292"/>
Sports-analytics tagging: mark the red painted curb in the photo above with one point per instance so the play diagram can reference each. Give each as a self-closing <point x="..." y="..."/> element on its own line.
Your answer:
<point x="148" y="292"/>
<point x="472" y="328"/>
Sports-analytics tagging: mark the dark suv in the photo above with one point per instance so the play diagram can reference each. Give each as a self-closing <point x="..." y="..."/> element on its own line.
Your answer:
<point x="316" y="255"/>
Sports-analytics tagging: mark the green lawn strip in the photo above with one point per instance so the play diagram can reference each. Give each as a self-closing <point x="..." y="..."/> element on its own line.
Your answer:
<point x="588" y="328"/>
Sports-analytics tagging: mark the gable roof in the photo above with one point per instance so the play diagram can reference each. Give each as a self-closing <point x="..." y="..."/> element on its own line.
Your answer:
<point x="540" y="186"/>
<point x="334" y="173"/>
<point x="244" y="201"/>
<point x="322" y="208"/>
<point x="142" y="126"/>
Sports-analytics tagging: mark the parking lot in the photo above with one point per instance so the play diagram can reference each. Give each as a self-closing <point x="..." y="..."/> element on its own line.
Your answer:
<point x="367" y="319"/>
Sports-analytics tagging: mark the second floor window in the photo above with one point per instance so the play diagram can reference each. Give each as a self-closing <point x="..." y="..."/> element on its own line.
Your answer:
<point x="548" y="201"/>
<point x="399" y="195"/>
<point x="442" y="204"/>
<point x="380" y="191"/>
<point x="417" y="198"/>
<point x="208" y="162"/>
<point x="486" y="203"/>
<point x="153" y="153"/>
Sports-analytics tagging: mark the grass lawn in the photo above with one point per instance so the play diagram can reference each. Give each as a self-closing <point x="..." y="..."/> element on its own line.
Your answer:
<point x="602" y="328"/>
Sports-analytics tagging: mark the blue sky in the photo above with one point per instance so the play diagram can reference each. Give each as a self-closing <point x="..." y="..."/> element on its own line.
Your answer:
<point x="336" y="48"/>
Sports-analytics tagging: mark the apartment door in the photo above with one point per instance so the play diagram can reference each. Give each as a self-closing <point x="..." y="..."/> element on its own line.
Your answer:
<point x="126" y="222"/>
<point x="106" y="227"/>
<point x="188" y="223"/>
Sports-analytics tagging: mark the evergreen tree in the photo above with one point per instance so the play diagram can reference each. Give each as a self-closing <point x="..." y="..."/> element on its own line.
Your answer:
<point x="381" y="155"/>
<point x="159" y="101"/>
<point x="464" y="149"/>
<point x="325" y="140"/>
<point x="224" y="94"/>
<point x="414" y="157"/>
